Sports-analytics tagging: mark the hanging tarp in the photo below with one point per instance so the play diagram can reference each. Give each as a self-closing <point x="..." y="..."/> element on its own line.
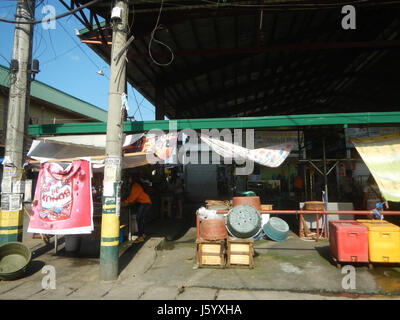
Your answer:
<point x="76" y="146"/>
<point x="382" y="157"/>
<point x="63" y="199"/>
<point x="272" y="156"/>
<point x="162" y="146"/>
<point x="138" y="149"/>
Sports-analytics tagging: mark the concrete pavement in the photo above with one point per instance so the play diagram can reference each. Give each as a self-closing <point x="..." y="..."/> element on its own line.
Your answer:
<point x="159" y="269"/>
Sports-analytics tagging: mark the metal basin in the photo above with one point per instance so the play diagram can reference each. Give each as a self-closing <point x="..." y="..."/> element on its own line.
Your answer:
<point x="14" y="259"/>
<point x="243" y="221"/>
<point x="276" y="229"/>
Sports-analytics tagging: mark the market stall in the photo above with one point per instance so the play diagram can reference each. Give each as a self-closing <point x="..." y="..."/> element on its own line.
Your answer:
<point x="58" y="159"/>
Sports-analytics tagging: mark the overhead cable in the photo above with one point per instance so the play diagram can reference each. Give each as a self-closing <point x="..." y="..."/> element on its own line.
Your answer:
<point x="56" y="17"/>
<point x="157" y="26"/>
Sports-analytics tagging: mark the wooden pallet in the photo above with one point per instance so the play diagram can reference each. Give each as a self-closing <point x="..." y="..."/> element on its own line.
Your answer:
<point x="211" y="253"/>
<point x="240" y="253"/>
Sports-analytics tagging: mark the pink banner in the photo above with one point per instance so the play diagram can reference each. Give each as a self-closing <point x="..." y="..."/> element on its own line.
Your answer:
<point x="63" y="199"/>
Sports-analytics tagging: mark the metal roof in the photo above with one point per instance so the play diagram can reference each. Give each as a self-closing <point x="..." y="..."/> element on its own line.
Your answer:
<point x="258" y="58"/>
<point x="58" y="98"/>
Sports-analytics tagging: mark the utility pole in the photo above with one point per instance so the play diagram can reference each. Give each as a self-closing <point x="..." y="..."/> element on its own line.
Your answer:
<point x="110" y="226"/>
<point x="11" y="217"/>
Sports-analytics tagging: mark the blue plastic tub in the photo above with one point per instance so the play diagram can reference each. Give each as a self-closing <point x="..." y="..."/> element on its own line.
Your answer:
<point x="276" y="229"/>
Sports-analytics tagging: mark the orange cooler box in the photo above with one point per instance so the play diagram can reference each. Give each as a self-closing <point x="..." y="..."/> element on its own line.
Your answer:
<point x="384" y="241"/>
<point x="348" y="241"/>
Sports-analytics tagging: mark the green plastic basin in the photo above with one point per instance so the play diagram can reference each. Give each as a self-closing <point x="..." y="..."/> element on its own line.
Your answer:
<point x="14" y="259"/>
<point x="243" y="221"/>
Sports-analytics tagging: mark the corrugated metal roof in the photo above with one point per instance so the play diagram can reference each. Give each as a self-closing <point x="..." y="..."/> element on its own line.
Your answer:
<point x="58" y="98"/>
<point x="260" y="57"/>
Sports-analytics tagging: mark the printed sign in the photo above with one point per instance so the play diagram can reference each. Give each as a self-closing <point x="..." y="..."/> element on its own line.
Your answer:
<point x="63" y="199"/>
<point x="28" y="191"/>
<point x="264" y="139"/>
<point x="162" y="146"/>
<point x="11" y="202"/>
<point x="369" y="132"/>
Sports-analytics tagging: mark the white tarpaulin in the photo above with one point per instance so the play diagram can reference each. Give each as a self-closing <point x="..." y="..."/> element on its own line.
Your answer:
<point x="62" y="147"/>
<point x="272" y="156"/>
<point x="66" y="148"/>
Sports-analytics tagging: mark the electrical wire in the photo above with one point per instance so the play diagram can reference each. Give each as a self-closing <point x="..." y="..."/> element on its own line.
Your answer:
<point x="51" y="44"/>
<point x="60" y="55"/>
<point x="38" y="45"/>
<point x="137" y="103"/>
<point x="84" y="52"/>
<point x="5" y="58"/>
<point x="159" y="42"/>
<point x="56" y="17"/>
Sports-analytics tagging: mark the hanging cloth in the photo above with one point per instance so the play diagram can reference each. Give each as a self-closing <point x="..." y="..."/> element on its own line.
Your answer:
<point x="272" y="156"/>
<point x="382" y="157"/>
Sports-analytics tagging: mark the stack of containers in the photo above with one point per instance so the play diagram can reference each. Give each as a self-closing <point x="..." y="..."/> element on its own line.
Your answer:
<point x="383" y="241"/>
<point x="348" y="241"/>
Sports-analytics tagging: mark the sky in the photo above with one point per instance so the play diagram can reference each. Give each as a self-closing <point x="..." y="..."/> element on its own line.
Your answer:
<point x="65" y="63"/>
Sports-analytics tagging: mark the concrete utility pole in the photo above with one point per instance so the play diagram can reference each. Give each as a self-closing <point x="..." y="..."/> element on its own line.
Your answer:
<point x="11" y="217"/>
<point x="110" y="226"/>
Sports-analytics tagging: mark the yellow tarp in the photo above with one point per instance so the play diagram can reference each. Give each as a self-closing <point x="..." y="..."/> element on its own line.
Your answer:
<point x="382" y="157"/>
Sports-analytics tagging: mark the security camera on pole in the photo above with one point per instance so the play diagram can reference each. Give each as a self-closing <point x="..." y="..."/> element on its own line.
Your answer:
<point x="11" y="215"/>
<point x="110" y="226"/>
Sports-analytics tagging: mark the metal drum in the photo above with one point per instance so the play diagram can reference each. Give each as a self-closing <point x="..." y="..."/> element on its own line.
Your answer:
<point x="243" y="221"/>
<point x="276" y="229"/>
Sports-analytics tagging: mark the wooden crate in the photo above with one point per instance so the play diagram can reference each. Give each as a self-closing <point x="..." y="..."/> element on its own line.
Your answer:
<point x="240" y="253"/>
<point x="211" y="253"/>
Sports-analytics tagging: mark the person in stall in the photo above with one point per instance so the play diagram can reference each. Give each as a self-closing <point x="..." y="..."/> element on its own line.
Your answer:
<point x="138" y="197"/>
<point x="348" y="186"/>
<point x="177" y="188"/>
<point x="372" y="194"/>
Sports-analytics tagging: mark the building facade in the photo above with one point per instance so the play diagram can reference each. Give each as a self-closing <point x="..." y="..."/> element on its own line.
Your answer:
<point x="47" y="106"/>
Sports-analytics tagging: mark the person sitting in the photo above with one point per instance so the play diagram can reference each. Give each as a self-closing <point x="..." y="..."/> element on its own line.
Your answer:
<point x="138" y="196"/>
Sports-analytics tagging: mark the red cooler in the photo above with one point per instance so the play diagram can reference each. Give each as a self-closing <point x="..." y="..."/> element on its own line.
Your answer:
<point x="348" y="240"/>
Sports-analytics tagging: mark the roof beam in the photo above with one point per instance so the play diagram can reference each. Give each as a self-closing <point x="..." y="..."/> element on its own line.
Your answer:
<point x="222" y="123"/>
<point x="276" y="48"/>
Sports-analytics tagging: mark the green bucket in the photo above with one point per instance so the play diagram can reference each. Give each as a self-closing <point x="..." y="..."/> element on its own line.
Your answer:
<point x="246" y="194"/>
<point x="14" y="260"/>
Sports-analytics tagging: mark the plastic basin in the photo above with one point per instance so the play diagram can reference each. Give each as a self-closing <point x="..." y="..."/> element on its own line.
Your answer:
<point x="14" y="259"/>
<point x="218" y="207"/>
<point x="276" y="229"/>
<point x="243" y="221"/>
